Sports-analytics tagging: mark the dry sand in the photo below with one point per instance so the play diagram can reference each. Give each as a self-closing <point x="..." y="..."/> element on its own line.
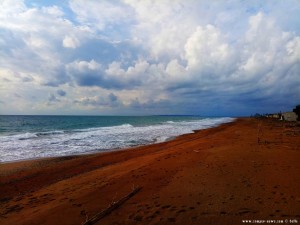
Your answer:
<point x="216" y="176"/>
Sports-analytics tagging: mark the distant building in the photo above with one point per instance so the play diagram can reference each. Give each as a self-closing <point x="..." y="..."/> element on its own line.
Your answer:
<point x="289" y="116"/>
<point x="276" y="116"/>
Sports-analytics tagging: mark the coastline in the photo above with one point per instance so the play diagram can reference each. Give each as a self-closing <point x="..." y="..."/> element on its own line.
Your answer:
<point x="43" y="138"/>
<point x="218" y="175"/>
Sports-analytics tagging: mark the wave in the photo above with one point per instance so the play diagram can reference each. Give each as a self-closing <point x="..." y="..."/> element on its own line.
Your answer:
<point x="58" y="143"/>
<point x="50" y="133"/>
<point x="170" y="122"/>
<point x="28" y="135"/>
<point x="126" y="125"/>
<point x="25" y="136"/>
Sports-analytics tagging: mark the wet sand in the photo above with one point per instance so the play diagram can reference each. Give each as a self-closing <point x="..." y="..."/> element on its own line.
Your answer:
<point x="220" y="175"/>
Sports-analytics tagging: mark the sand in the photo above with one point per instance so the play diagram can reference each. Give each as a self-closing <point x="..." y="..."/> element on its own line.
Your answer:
<point x="216" y="176"/>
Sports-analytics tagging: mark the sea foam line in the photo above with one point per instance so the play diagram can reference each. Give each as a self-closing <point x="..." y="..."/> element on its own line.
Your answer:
<point x="61" y="143"/>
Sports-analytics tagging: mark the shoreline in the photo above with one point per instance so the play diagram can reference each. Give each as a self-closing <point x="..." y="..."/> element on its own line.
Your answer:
<point x="218" y="175"/>
<point x="113" y="150"/>
<point x="38" y="146"/>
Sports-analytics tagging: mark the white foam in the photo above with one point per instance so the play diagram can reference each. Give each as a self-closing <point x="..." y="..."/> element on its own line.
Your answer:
<point x="170" y="122"/>
<point x="50" y="132"/>
<point x="24" y="136"/>
<point x="59" y="143"/>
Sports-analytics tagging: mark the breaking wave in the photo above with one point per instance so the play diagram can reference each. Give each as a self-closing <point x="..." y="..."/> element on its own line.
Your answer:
<point x="81" y="141"/>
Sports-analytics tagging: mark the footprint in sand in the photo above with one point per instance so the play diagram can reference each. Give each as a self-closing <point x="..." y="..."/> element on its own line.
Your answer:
<point x="138" y="218"/>
<point x="151" y="217"/>
<point x="166" y="206"/>
<point x="243" y="211"/>
<point x="157" y="212"/>
<point x="77" y="205"/>
<point x="18" y="199"/>
<point x="173" y="208"/>
<point x="14" y="208"/>
<point x="171" y="219"/>
<point x="181" y="211"/>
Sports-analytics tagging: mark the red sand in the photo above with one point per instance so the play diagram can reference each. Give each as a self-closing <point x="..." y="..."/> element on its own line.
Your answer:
<point x="215" y="176"/>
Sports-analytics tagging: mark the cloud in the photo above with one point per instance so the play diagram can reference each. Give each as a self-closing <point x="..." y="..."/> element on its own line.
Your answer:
<point x="70" y="42"/>
<point x="27" y="79"/>
<point x="32" y="41"/>
<point x="129" y="77"/>
<point x="160" y="54"/>
<point x="85" y="73"/>
<point x="162" y="26"/>
<point x="61" y="93"/>
<point x="110" y="100"/>
<point x="207" y="52"/>
<point x="52" y="98"/>
<point x="92" y="73"/>
<point x="111" y="19"/>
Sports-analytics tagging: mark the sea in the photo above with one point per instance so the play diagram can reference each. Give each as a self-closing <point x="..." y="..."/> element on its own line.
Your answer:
<point x="29" y="137"/>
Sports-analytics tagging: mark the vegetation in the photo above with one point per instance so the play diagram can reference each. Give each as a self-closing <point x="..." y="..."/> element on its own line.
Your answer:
<point x="297" y="111"/>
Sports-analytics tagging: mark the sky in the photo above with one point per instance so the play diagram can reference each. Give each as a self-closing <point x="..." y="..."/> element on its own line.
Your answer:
<point x="143" y="57"/>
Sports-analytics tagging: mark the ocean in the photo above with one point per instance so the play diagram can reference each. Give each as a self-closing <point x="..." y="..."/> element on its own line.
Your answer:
<point x="29" y="137"/>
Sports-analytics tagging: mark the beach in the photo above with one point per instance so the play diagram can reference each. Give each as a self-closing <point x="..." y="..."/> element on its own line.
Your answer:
<point x="243" y="170"/>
